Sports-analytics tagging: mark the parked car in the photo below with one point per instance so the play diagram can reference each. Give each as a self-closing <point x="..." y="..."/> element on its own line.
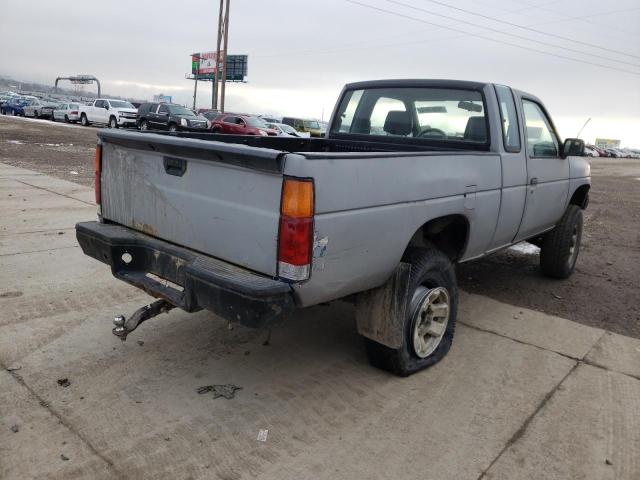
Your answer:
<point x="170" y="116"/>
<point x="270" y="119"/>
<point x="36" y="108"/>
<point x="208" y="112"/>
<point x="312" y="127"/>
<point x="286" y="130"/>
<point x="590" y="152"/>
<point x="411" y="179"/>
<point x="240" y="125"/>
<point x="14" y="106"/>
<point x="612" y="152"/>
<point x="114" y="113"/>
<point x="67" y="112"/>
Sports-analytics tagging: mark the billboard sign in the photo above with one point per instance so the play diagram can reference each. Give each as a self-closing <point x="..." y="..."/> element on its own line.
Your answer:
<point x="607" y="143"/>
<point x="203" y="65"/>
<point x="162" y="98"/>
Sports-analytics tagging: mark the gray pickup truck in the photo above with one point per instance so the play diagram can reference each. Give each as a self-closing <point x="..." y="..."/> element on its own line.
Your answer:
<point x="412" y="177"/>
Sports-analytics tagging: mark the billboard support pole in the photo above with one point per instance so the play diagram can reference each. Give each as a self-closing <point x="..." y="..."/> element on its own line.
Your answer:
<point x="224" y="64"/>
<point x="195" y="91"/>
<point x="214" y="90"/>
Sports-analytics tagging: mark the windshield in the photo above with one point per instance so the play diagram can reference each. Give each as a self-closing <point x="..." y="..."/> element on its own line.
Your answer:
<point x="311" y="124"/>
<point x="180" y="110"/>
<point x="120" y="104"/>
<point x="73" y="106"/>
<point x="428" y="113"/>
<point x="256" y="122"/>
<point x="288" y="129"/>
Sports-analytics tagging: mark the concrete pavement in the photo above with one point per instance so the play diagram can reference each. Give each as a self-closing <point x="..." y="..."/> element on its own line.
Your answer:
<point x="521" y="394"/>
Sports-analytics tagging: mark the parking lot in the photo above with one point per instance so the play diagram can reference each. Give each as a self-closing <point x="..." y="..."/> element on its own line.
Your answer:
<point x="537" y="385"/>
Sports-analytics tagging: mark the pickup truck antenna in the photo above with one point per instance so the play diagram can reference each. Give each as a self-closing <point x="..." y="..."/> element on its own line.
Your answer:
<point x="585" y="124"/>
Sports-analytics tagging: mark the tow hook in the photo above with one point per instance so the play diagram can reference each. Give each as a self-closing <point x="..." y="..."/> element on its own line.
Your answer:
<point x="124" y="327"/>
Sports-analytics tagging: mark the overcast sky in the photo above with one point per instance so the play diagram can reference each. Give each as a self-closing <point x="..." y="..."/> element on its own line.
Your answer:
<point x="302" y="52"/>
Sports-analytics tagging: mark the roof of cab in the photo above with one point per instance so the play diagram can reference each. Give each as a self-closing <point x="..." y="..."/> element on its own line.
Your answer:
<point x="417" y="82"/>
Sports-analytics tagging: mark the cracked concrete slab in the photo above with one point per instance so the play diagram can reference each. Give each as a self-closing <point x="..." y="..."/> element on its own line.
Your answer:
<point x="589" y="429"/>
<point x="33" y="441"/>
<point x="528" y="326"/>
<point x="617" y="352"/>
<point x="329" y="414"/>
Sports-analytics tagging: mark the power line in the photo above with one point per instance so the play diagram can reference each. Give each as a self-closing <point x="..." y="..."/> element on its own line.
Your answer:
<point x="521" y="37"/>
<point x="523" y="27"/>
<point x="347" y="47"/>
<point x="502" y="42"/>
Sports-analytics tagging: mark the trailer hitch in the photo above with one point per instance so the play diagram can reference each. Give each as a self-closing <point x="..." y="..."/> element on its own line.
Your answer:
<point x="124" y="327"/>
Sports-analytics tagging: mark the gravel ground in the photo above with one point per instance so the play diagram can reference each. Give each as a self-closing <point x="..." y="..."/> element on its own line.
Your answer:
<point x="604" y="292"/>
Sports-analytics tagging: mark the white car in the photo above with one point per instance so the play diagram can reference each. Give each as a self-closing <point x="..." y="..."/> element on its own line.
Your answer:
<point x="590" y="152"/>
<point x="115" y="113"/>
<point x="67" y="112"/>
<point x="287" y="130"/>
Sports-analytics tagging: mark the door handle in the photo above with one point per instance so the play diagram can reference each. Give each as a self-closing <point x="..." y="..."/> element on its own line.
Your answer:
<point x="534" y="181"/>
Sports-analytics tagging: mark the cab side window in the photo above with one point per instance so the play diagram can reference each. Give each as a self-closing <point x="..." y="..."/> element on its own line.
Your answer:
<point x="163" y="109"/>
<point x="541" y="139"/>
<point x="509" y="119"/>
<point x="99" y="104"/>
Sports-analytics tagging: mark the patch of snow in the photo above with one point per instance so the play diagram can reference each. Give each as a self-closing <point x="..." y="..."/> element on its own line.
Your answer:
<point x="525" y="248"/>
<point x="15" y="142"/>
<point x="73" y="172"/>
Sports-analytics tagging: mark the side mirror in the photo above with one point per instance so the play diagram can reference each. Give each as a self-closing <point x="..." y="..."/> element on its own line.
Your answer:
<point x="573" y="147"/>
<point x="106" y="107"/>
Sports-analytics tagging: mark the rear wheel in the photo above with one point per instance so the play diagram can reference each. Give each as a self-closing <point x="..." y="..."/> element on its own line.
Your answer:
<point x="561" y="246"/>
<point x="430" y="318"/>
<point x="66" y="119"/>
<point x="84" y="121"/>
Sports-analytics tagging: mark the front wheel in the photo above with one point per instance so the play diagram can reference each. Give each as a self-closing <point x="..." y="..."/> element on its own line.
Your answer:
<point x="144" y="125"/>
<point x="561" y="246"/>
<point x="430" y="318"/>
<point x="173" y="127"/>
<point x="113" y="122"/>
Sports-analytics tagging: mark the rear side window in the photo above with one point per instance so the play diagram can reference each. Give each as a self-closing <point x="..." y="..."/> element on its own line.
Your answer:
<point x="509" y="117"/>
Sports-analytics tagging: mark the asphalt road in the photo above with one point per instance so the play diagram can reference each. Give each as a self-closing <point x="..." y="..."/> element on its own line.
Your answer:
<point x="604" y="292"/>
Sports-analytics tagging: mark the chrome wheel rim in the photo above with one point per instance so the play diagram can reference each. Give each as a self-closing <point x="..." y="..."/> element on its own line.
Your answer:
<point x="143" y="126"/>
<point x="574" y="246"/>
<point x="431" y="309"/>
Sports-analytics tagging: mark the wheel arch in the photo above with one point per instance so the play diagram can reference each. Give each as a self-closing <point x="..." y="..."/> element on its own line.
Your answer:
<point x="580" y="196"/>
<point x="448" y="233"/>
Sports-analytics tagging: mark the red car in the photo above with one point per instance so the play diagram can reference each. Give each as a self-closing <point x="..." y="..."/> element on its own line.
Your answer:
<point x="240" y="125"/>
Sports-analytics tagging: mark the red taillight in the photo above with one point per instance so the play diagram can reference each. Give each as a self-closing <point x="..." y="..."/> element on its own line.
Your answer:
<point x="295" y="243"/>
<point x="73" y="113"/>
<point x="97" y="169"/>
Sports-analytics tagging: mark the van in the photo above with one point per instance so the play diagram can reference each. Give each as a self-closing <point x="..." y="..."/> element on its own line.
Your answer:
<point x="301" y="125"/>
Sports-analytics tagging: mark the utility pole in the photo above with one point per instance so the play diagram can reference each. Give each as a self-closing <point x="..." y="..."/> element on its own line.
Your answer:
<point x="214" y="91"/>
<point x="224" y="65"/>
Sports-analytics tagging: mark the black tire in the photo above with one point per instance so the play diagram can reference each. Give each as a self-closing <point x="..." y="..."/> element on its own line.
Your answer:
<point x="15" y="113"/>
<point x="84" y="121"/>
<point x="173" y="127"/>
<point x="144" y="125"/>
<point x="429" y="268"/>
<point x="35" y="114"/>
<point x="113" y="122"/>
<point x="561" y="246"/>
<point x="66" y="119"/>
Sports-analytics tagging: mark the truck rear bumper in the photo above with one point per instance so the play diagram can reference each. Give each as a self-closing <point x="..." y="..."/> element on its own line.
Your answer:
<point x="199" y="281"/>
